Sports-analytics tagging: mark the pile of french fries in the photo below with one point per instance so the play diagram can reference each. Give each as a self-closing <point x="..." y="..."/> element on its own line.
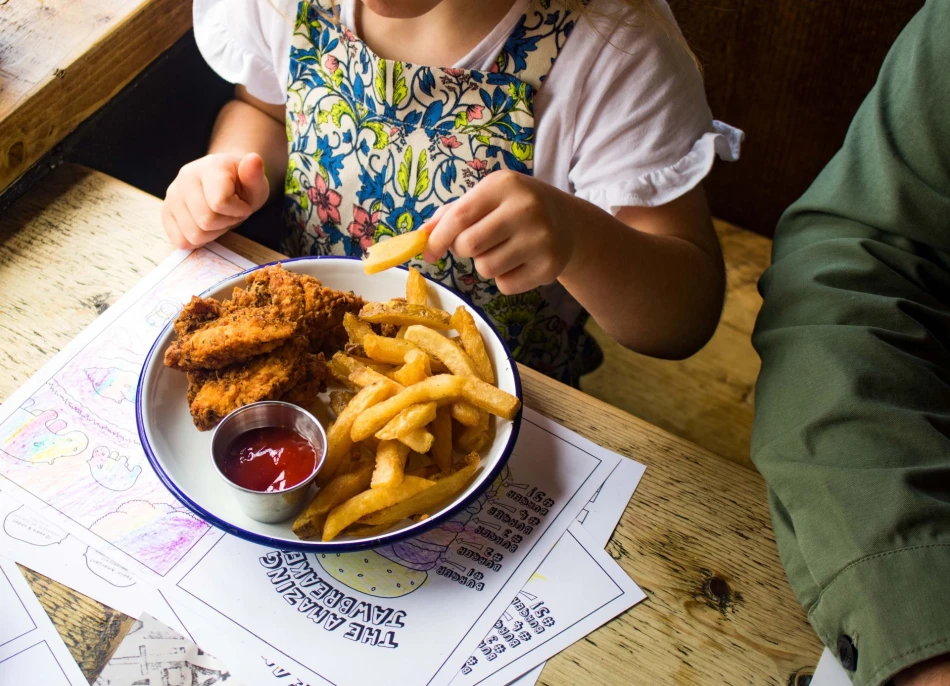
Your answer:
<point x="417" y="410"/>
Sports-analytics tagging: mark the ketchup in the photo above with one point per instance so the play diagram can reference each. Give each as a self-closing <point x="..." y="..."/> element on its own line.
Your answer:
<point x="268" y="459"/>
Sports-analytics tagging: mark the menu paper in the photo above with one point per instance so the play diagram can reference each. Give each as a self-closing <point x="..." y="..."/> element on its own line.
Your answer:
<point x="31" y="652"/>
<point x="416" y="610"/>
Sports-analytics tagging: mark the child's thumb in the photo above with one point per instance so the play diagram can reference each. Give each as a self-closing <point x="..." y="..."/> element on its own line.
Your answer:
<point x="253" y="187"/>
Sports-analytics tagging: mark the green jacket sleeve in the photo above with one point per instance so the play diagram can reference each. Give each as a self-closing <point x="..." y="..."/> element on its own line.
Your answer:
<point x="852" y="427"/>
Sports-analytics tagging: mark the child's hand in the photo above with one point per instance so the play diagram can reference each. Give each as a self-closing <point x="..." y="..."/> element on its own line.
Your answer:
<point x="211" y="196"/>
<point x="517" y="228"/>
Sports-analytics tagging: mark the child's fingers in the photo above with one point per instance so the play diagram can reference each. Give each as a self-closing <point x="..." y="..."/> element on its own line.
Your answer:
<point x="179" y="226"/>
<point x="458" y="216"/>
<point x="193" y="233"/>
<point x="486" y="234"/>
<point x="202" y="215"/>
<point x="500" y="260"/>
<point x="175" y="236"/>
<point x="518" y="280"/>
<point x="252" y="182"/>
<point x="220" y="188"/>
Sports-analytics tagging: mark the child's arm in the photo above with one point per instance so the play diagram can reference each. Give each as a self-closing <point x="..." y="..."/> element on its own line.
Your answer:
<point x="245" y="165"/>
<point x="653" y="278"/>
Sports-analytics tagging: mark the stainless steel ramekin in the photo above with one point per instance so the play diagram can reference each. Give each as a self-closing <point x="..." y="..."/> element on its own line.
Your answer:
<point x="275" y="506"/>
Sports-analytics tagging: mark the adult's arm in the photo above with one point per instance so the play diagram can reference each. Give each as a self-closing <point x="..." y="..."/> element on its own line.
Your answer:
<point x="852" y="430"/>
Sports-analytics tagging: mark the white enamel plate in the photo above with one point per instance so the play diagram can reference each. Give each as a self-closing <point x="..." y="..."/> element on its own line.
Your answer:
<point x="180" y="454"/>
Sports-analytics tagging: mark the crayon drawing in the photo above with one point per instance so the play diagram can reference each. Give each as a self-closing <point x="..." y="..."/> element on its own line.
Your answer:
<point x="74" y="442"/>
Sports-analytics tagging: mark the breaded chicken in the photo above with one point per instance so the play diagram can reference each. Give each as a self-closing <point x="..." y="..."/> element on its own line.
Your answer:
<point x="266" y="342"/>
<point x="235" y="336"/>
<point x="266" y="377"/>
<point x="197" y="313"/>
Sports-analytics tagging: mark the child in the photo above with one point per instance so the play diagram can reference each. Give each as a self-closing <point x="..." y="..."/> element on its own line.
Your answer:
<point x="557" y="162"/>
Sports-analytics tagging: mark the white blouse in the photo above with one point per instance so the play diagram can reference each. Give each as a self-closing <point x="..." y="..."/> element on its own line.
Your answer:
<point x="621" y="119"/>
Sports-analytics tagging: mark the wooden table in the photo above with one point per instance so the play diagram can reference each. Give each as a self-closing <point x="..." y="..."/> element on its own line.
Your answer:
<point x="696" y="536"/>
<point x="61" y="60"/>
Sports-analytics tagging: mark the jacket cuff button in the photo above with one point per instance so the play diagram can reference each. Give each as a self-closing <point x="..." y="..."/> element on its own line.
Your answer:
<point x="847" y="653"/>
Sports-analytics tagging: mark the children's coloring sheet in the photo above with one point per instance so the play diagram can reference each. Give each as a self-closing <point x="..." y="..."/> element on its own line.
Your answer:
<point x="37" y="543"/>
<point x="31" y="652"/>
<point x="411" y="612"/>
<point x="41" y="546"/>
<point x="68" y="437"/>
<point x="596" y="523"/>
<point x="69" y="451"/>
<point x="552" y="611"/>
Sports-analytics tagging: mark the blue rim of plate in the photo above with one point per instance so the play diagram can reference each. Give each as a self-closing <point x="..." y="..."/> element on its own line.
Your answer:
<point x="342" y="546"/>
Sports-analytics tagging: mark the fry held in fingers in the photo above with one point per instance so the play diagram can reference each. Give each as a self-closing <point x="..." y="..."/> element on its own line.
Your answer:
<point x="395" y="251"/>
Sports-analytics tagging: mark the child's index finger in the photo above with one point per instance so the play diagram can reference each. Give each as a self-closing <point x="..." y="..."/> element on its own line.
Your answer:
<point x="444" y="227"/>
<point x="221" y="193"/>
<point x="428" y="254"/>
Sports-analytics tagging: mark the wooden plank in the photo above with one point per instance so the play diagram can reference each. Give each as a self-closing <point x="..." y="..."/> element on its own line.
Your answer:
<point x="61" y="60"/>
<point x="697" y="535"/>
<point x="707" y="399"/>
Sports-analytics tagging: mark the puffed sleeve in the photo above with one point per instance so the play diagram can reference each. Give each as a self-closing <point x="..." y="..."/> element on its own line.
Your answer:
<point x="634" y="125"/>
<point x="247" y="42"/>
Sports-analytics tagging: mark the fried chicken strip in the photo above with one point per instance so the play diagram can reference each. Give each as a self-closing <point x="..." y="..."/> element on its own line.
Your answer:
<point x="267" y="377"/>
<point x="232" y="337"/>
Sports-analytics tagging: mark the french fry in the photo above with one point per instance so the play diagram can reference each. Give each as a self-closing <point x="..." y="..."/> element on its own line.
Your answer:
<point x="426" y="472"/>
<point x="418" y="460"/>
<point x="389" y="350"/>
<point x="417" y="368"/>
<point x="394" y="251"/>
<point x="390" y="464"/>
<point x="438" y="346"/>
<point x="419" y="440"/>
<point x="338" y="437"/>
<point x="424" y="500"/>
<point x="412" y="418"/>
<point x="441" y="388"/>
<point x="466" y="413"/>
<point x="339" y="400"/>
<point x="370" y="501"/>
<point x="309" y="523"/>
<point x="473" y="438"/>
<point x="416" y="288"/>
<point x="441" y="430"/>
<point x="473" y="343"/>
<point x="355" y="328"/>
<point x="375" y="365"/>
<point x="341" y="371"/>
<point x="365" y="376"/>
<point x="490" y="398"/>
<point x="342" y="365"/>
<point x="399" y="313"/>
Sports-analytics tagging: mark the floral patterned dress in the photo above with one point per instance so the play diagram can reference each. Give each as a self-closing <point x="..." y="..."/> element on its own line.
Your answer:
<point x="376" y="146"/>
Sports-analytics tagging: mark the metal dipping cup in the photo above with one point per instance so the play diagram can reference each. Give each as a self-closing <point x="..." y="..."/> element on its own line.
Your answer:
<point x="274" y="506"/>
